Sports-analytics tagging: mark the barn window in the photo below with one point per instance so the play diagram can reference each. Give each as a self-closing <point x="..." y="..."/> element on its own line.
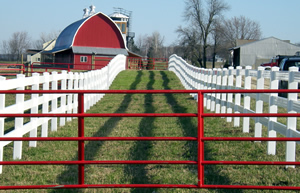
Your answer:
<point x="83" y="58"/>
<point x="123" y="28"/>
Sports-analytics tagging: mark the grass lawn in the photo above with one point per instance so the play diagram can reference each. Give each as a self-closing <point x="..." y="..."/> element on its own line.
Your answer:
<point x="149" y="126"/>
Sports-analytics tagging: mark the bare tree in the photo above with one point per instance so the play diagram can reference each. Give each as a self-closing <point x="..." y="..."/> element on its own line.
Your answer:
<point x="241" y="28"/>
<point x="150" y="45"/>
<point x="156" y="42"/>
<point x="142" y="44"/>
<point x="18" y="43"/>
<point x="219" y="42"/>
<point x="202" y="16"/>
<point x="4" y="47"/>
<point x="45" y="37"/>
<point x="190" y="45"/>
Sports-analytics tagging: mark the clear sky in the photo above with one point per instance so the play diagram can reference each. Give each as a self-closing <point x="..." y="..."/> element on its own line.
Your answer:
<point x="278" y="18"/>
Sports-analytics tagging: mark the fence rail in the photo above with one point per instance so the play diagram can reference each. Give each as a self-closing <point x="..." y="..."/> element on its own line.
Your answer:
<point x="200" y="138"/>
<point x="11" y="69"/>
<point x="242" y="80"/>
<point x="59" y="103"/>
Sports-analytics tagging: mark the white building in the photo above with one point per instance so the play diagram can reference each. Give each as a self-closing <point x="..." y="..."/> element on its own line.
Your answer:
<point x="256" y="52"/>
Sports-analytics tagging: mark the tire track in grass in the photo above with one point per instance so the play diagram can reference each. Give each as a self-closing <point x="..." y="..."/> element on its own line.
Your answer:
<point x="69" y="176"/>
<point x="212" y="175"/>
<point x="141" y="149"/>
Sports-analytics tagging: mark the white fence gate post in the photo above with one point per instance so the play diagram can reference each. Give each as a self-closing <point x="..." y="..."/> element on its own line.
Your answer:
<point x="224" y="87"/>
<point x="208" y="95"/>
<point x="54" y="101"/>
<point x="272" y="109"/>
<point x="230" y="95"/>
<point x="247" y="99"/>
<point x="76" y="87"/>
<point x="238" y="85"/>
<point x="62" y="120"/>
<point x="291" y="121"/>
<point x="218" y="86"/>
<point x="213" y="87"/>
<point x="259" y="102"/>
<point x="17" y="154"/>
<point x="45" y="105"/>
<point x="204" y="85"/>
<point x="70" y="96"/>
<point x="35" y="108"/>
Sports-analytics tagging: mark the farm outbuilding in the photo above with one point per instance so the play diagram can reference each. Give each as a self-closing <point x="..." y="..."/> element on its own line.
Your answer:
<point x="257" y="52"/>
<point x="89" y="43"/>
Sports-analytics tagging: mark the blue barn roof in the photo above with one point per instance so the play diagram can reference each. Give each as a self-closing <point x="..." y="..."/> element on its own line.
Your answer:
<point x="66" y="37"/>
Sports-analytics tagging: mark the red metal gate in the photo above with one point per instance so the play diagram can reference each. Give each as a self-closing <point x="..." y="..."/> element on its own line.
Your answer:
<point x="144" y="63"/>
<point x="201" y="162"/>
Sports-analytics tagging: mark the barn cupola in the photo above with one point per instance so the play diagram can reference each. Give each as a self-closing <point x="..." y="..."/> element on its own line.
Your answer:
<point x="123" y="20"/>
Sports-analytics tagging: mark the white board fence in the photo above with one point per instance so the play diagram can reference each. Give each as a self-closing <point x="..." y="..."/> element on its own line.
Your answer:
<point x="51" y="103"/>
<point x="208" y="79"/>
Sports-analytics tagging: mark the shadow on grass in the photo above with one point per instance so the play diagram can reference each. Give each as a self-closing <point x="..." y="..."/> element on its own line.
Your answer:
<point x="141" y="149"/>
<point x="70" y="175"/>
<point x="212" y="175"/>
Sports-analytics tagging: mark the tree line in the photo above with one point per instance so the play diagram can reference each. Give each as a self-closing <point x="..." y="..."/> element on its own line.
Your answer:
<point x="13" y="48"/>
<point x="206" y="34"/>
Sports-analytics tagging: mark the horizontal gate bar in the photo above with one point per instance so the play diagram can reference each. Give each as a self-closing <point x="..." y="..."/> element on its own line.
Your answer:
<point x="250" y="139"/>
<point x="154" y="115"/>
<point x="150" y="186"/>
<point x="145" y="91"/>
<point x="250" y="187"/>
<point x="104" y="115"/>
<point x="98" y="139"/>
<point x="251" y="115"/>
<point x="249" y="163"/>
<point x="100" y="186"/>
<point x="96" y="162"/>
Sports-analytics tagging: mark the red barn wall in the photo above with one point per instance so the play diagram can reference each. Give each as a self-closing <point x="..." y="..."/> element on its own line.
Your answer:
<point x="99" y="62"/>
<point x="99" y="31"/>
<point x="78" y="65"/>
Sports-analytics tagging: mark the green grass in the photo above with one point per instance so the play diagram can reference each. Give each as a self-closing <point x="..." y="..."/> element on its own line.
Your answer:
<point x="149" y="126"/>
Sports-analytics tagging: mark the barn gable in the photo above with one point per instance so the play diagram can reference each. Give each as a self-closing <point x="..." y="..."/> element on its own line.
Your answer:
<point x="93" y="37"/>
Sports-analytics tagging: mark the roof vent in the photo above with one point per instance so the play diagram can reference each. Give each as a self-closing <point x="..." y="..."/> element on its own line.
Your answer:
<point x="92" y="10"/>
<point x="86" y="12"/>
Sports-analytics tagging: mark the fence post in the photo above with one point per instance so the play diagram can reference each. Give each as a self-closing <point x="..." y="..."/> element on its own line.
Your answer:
<point x="62" y="120"/>
<point x="247" y="99"/>
<point x="218" y="86"/>
<point x="237" y="101"/>
<point x="108" y="76"/>
<point x="76" y="87"/>
<point x="204" y="78"/>
<point x="2" y="107"/>
<point x="85" y="87"/>
<point x="17" y="154"/>
<point x="208" y="95"/>
<point x="291" y="121"/>
<point x="272" y="109"/>
<point x="54" y="101"/>
<point x="70" y="96"/>
<point x="230" y="95"/>
<point x="213" y="87"/>
<point x="224" y="86"/>
<point x="260" y="84"/>
<point x="34" y="109"/>
<point x="45" y="106"/>
<point x="101" y="82"/>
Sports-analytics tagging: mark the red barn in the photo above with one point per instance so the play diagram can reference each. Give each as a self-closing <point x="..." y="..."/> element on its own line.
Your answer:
<point x="89" y="43"/>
